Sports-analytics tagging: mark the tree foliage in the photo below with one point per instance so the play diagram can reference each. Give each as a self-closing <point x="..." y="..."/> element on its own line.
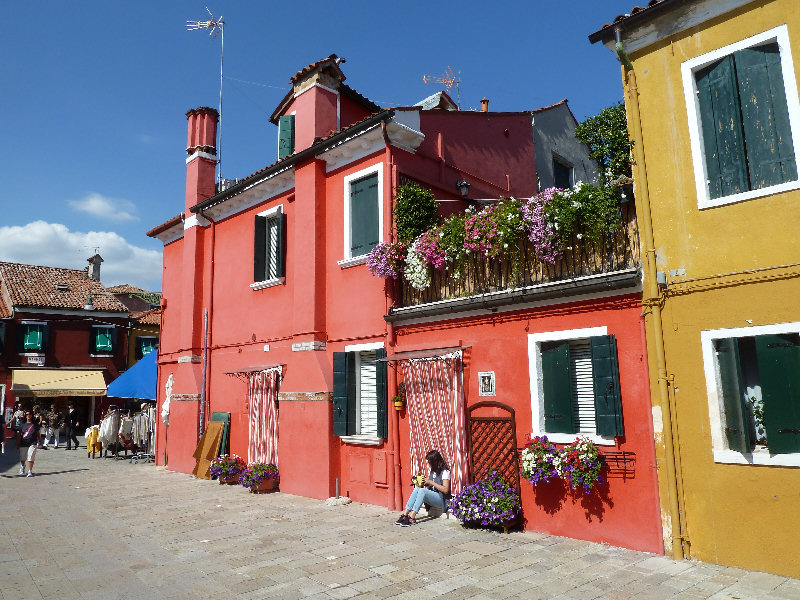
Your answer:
<point x="415" y="211"/>
<point x="606" y="134"/>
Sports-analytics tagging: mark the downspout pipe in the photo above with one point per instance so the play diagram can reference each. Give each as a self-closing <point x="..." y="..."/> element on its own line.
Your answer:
<point x="653" y="298"/>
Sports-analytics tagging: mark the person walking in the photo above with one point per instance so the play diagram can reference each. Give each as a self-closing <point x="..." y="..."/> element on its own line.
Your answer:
<point x="27" y="436"/>
<point x="71" y="421"/>
<point x="41" y="423"/>
<point x="54" y="420"/>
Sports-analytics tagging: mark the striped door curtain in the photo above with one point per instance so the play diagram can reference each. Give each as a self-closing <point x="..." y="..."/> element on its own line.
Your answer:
<point x="262" y="393"/>
<point x="435" y="400"/>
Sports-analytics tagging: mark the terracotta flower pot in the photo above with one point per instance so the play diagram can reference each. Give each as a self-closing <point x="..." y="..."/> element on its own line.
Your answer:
<point x="267" y="485"/>
<point x="232" y="480"/>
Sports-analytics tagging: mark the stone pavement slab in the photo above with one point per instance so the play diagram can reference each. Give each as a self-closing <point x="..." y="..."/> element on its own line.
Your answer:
<point x="106" y="529"/>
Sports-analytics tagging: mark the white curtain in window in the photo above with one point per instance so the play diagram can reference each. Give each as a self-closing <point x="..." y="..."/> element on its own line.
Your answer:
<point x="262" y="392"/>
<point x="435" y="399"/>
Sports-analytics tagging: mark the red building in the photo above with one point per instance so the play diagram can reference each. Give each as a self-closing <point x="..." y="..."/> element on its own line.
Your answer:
<point x="62" y="337"/>
<point x="271" y="315"/>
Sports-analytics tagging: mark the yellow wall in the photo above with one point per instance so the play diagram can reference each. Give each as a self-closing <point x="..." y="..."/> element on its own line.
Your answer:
<point x="741" y="515"/>
<point x="137" y="330"/>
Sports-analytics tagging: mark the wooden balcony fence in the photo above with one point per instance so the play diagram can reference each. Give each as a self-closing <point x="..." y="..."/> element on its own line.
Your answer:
<point x="614" y="252"/>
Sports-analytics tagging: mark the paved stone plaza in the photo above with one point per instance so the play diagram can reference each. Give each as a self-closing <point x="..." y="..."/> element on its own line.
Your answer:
<point x="104" y="529"/>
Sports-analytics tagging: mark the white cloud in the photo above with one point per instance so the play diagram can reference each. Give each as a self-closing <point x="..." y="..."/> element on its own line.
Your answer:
<point x="54" y="245"/>
<point x="100" y="206"/>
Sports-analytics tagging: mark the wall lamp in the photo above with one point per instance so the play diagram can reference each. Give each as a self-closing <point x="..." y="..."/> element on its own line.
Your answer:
<point x="463" y="187"/>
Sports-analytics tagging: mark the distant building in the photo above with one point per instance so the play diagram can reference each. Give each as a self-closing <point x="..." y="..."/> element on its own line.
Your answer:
<point x="62" y="337"/>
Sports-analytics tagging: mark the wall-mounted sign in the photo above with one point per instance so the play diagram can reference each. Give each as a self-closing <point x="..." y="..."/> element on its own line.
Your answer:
<point x="486" y="383"/>
<point x="36" y="360"/>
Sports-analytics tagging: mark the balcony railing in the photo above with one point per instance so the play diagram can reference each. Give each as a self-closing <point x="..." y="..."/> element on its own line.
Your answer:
<point x="582" y="258"/>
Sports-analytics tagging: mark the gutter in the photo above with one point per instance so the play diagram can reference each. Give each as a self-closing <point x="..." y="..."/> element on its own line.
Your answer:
<point x="653" y="299"/>
<point x="290" y="161"/>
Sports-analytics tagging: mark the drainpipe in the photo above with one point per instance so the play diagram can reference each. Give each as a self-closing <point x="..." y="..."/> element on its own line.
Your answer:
<point x="208" y="334"/>
<point x="653" y="298"/>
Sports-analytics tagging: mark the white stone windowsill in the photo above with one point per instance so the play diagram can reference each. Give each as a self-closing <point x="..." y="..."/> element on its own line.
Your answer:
<point x="32" y="354"/>
<point x="107" y="355"/>
<point x="260" y="285"/>
<point x="346" y="263"/>
<point x="362" y="440"/>
<point x="759" y="456"/>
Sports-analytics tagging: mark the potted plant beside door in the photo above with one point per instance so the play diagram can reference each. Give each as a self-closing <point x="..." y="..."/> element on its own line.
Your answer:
<point x="260" y="477"/>
<point x="227" y="468"/>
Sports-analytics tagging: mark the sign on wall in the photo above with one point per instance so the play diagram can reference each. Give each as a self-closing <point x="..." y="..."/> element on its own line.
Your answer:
<point x="486" y="383"/>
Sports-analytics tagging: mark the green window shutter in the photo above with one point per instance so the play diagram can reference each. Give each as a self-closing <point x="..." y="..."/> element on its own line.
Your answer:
<point x="285" y="136"/>
<point x="765" y="116"/>
<point x="381" y="393"/>
<point x="280" y="246"/>
<point x="103" y="341"/>
<point x="737" y="425"/>
<point x="44" y="337"/>
<point x="2" y="337"/>
<point x="559" y="410"/>
<point x="721" y="126"/>
<point x="779" y="371"/>
<point x="607" y="399"/>
<point x="259" y="250"/>
<point x="343" y="386"/>
<point x="363" y="215"/>
<point x="32" y="337"/>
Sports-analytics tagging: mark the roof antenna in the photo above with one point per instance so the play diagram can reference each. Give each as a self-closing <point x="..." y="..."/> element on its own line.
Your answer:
<point x="448" y="79"/>
<point x="214" y="26"/>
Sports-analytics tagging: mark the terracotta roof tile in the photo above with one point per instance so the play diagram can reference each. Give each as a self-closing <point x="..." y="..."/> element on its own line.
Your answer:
<point x="5" y="311"/>
<point x="54" y="287"/>
<point x="315" y="65"/>
<point x="148" y="317"/>
<point x="634" y="11"/>
<point x="127" y="288"/>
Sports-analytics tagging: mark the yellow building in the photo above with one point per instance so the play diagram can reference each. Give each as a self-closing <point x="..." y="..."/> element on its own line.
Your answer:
<point x="145" y="331"/>
<point x="713" y="109"/>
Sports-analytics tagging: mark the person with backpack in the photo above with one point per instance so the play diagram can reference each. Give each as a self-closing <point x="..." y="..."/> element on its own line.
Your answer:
<point x="27" y="440"/>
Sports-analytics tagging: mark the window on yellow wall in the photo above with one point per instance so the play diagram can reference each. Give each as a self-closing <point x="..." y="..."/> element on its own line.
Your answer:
<point x="753" y="380"/>
<point x="744" y="119"/>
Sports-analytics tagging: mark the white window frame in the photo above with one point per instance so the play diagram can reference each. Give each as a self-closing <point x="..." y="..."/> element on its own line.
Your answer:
<point x="722" y="454"/>
<point x="361" y="439"/>
<point x="535" y="341"/>
<point x="32" y="353"/>
<point x="349" y="260"/>
<point x="103" y="354"/>
<point x="260" y="285"/>
<point x="688" y="68"/>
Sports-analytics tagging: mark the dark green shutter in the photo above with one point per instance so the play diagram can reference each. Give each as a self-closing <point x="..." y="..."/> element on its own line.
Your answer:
<point x="285" y="136"/>
<point x="225" y="419"/>
<point x="559" y="409"/>
<point x="2" y="337"/>
<point x="381" y="393"/>
<point x="33" y="338"/>
<point x="779" y="372"/>
<point x="363" y="215"/>
<point x="343" y="384"/>
<point x="765" y="116"/>
<point x="259" y="249"/>
<point x="721" y="126"/>
<point x="114" y="337"/>
<point x="280" y="260"/>
<point x="605" y="375"/>
<point x="139" y="352"/>
<point x="737" y="422"/>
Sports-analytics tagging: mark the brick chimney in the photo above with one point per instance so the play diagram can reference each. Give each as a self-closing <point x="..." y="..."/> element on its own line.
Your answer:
<point x="94" y="267"/>
<point x="201" y="147"/>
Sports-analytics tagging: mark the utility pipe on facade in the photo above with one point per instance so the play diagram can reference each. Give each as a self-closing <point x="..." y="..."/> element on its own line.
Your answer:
<point x="652" y="293"/>
<point x="209" y="343"/>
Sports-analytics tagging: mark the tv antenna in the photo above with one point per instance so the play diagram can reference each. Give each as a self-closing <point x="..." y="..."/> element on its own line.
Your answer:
<point x="448" y="80"/>
<point x="214" y="27"/>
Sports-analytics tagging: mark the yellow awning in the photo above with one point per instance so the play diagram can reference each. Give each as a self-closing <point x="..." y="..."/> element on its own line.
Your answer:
<point x="57" y="382"/>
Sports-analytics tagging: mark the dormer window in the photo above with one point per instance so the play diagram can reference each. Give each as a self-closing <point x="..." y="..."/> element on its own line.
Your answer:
<point x="62" y="287"/>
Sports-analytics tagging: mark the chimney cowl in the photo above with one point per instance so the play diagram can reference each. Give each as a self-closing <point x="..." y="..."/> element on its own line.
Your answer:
<point x="485" y="104"/>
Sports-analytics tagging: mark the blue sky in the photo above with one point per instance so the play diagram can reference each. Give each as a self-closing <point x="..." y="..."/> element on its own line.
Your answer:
<point x="94" y="95"/>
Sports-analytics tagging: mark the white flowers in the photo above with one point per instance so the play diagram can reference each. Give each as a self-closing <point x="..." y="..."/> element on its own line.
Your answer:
<point x="416" y="272"/>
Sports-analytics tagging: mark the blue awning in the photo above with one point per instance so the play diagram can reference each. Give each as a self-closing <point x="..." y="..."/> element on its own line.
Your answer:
<point x="140" y="381"/>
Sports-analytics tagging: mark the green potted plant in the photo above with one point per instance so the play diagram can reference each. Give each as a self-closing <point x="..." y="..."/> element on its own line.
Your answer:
<point x="260" y="477"/>
<point x="227" y="468"/>
<point x="490" y="502"/>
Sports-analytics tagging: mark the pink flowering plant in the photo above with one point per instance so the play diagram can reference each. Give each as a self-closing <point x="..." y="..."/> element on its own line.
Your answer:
<point x="489" y="502"/>
<point x="429" y="246"/>
<point x="387" y="260"/>
<point x="227" y="466"/>
<point x="542" y="232"/>
<point x="579" y="465"/>
<point x="258" y="472"/>
<point x="539" y="460"/>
